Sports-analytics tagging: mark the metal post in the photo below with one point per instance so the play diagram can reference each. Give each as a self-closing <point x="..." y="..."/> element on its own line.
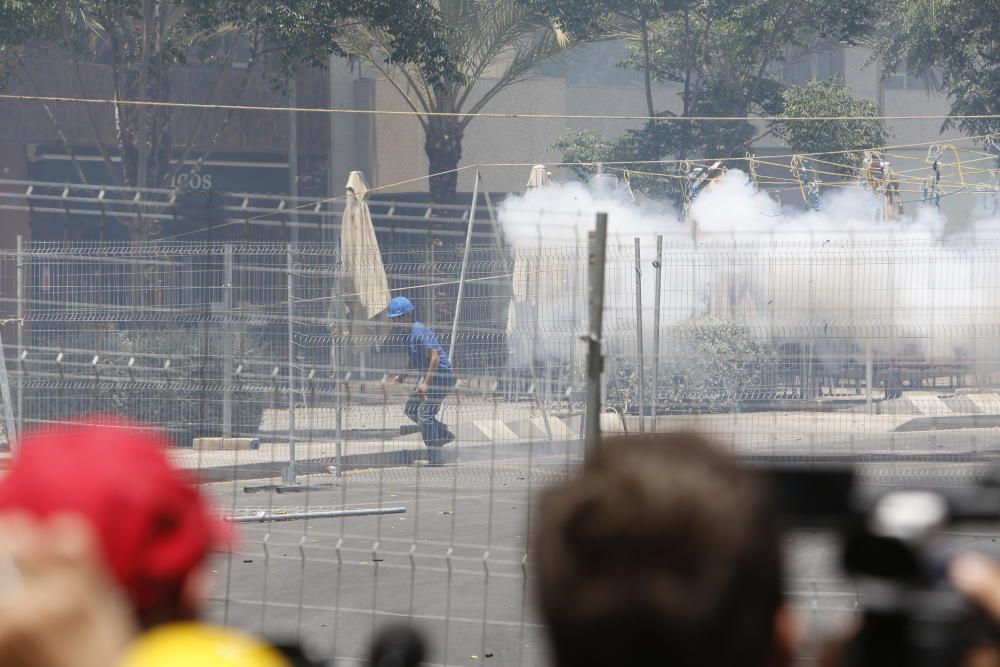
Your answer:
<point x="20" y="332"/>
<point x="869" y="374"/>
<point x="499" y="314"/>
<point x="598" y="240"/>
<point x="461" y="275"/>
<point x="638" y="336"/>
<point x="656" y="325"/>
<point x="541" y="400"/>
<point x="288" y="476"/>
<point x="261" y="517"/>
<point x="293" y="162"/>
<point x="8" y="412"/>
<point x="227" y="342"/>
<point x="333" y="183"/>
<point x="337" y="358"/>
<point x="497" y="233"/>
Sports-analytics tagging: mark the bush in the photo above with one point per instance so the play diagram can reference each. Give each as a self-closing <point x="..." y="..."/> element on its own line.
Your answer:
<point x="709" y="364"/>
<point x="184" y="398"/>
<point x="716" y="361"/>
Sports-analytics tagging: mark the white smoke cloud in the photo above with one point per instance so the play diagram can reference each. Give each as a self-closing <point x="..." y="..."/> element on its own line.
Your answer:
<point x="840" y="275"/>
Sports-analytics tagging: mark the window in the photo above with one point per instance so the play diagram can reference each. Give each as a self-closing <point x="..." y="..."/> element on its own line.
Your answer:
<point x="819" y="64"/>
<point x="241" y="53"/>
<point x="907" y="80"/>
<point x="594" y="64"/>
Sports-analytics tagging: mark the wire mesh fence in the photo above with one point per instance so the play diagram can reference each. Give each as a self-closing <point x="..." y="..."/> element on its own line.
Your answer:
<point x="260" y="361"/>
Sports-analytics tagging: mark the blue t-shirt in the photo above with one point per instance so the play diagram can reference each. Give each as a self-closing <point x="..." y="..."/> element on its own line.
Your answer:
<point x="421" y="340"/>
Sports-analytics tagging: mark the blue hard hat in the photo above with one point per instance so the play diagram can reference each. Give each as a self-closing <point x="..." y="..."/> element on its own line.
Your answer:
<point x="400" y="305"/>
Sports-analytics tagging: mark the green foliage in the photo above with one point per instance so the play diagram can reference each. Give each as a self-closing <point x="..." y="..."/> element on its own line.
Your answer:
<point x="186" y="399"/>
<point x="589" y="148"/>
<point x="21" y="21"/>
<point x="836" y="20"/>
<point x="711" y="364"/>
<point x="307" y="32"/>
<point x="587" y="19"/>
<point x="830" y="98"/>
<point x="720" y="53"/>
<point x="481" y="37"/>
<point x="955" y="41"/>
<point x="143" y="40"/>
<point x="717" y="361"/>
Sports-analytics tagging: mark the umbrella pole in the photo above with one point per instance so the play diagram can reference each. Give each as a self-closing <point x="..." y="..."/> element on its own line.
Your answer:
<point x="497" y="234"/>
<point x="8" y="411"/>
<point x="501" y="256"/>
<point x="338" y="358"/>
<point x="465" y="264"/>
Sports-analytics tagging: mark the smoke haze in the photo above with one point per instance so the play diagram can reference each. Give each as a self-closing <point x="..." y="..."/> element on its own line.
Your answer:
<point x="914" y="285"/>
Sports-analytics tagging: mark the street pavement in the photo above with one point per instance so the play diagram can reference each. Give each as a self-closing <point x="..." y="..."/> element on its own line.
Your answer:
<point x="456" y="556"/>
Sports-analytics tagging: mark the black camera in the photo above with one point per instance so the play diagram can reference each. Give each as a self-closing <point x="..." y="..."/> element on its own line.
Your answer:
<point x="895" y="547"/>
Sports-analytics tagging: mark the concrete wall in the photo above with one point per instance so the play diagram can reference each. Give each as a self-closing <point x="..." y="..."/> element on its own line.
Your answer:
<point x="13" y="166"/>
<point x="398" y="141"/>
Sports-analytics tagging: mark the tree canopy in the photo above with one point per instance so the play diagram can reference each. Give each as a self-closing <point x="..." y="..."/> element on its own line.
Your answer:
<point x="829" y="98"/>
<point x="722" y="56"/>
<point x="142" y="40"/>
<point x="954" y="42"/>
<point x="307" y="32"/>
<point x="493" y="43"/>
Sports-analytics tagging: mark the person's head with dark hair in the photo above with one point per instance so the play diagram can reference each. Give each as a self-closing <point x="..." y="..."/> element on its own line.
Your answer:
<point x="663" y="549"/>
<point x="154" y="528"/>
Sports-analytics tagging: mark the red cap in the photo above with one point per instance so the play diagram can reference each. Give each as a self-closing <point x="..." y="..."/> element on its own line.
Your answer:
<point x="151" y="520"/>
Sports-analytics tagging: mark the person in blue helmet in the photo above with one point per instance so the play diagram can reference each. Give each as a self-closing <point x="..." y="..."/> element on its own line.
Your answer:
<point x="436" y="377"/>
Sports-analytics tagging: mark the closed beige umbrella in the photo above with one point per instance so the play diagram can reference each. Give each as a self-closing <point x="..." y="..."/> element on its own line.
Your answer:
<point x="539" y="178"/>
<point x="365" y="272"/>
<point x="519" y="298"/>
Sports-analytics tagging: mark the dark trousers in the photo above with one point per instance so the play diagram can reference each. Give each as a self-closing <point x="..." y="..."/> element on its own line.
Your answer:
<point x="423" y="409"/>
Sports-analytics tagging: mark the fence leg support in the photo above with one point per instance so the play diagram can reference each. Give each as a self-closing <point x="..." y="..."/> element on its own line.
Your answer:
<point x="640" y="361"/>
<point x="595" y="360"/>
<point x="465" y="264"/>
<point x="656" y="326"/>
<point x="227" y="343"/>
<point x="288" y="476"/>
<point x="8" y="412"/>
<point x="20" y="332"/>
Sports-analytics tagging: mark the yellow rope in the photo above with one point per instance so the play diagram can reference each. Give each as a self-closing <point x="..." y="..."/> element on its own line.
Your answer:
<point x="479" y="114"/>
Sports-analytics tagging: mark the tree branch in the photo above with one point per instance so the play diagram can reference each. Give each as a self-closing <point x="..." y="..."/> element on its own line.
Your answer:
<point x="142" y="143"/>
<point x="75" y="60"/>
<point x="765" y="61"/>
<point x="220" y="74"/>
<point x="647" y="79"/>
<point x="55" y="123"/>
<point x="230" y="114"/>
<point x="359" y="50"/>
<point x="425" y="105"/>
<point x="121" y="131"/>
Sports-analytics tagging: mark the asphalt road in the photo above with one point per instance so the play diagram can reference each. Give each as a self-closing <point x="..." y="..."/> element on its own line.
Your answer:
<point x="453" y="562"/>
<point x="452" y="559"/>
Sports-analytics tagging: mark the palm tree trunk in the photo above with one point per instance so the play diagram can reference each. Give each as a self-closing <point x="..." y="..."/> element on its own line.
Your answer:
<point x="647" y="77"/>
<point x="443" y="145"/>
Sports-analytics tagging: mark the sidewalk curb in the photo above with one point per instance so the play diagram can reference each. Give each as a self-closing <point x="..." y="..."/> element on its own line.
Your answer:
<point x="384" y="459"/>
<point x="948" y="423"/>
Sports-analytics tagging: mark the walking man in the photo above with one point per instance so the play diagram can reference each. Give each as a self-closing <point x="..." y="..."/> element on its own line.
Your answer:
<point x="436" y="377"/>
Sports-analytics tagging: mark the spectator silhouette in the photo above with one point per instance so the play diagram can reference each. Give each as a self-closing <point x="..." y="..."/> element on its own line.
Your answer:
<point x="662" y="549"/>
<point x="152" y="526"/>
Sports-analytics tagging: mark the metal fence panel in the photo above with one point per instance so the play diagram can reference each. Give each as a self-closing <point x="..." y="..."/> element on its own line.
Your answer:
<point x="804" y="351"/>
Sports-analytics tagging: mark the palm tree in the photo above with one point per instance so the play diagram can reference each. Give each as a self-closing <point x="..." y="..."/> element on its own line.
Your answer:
<point x="480" y="35"/>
